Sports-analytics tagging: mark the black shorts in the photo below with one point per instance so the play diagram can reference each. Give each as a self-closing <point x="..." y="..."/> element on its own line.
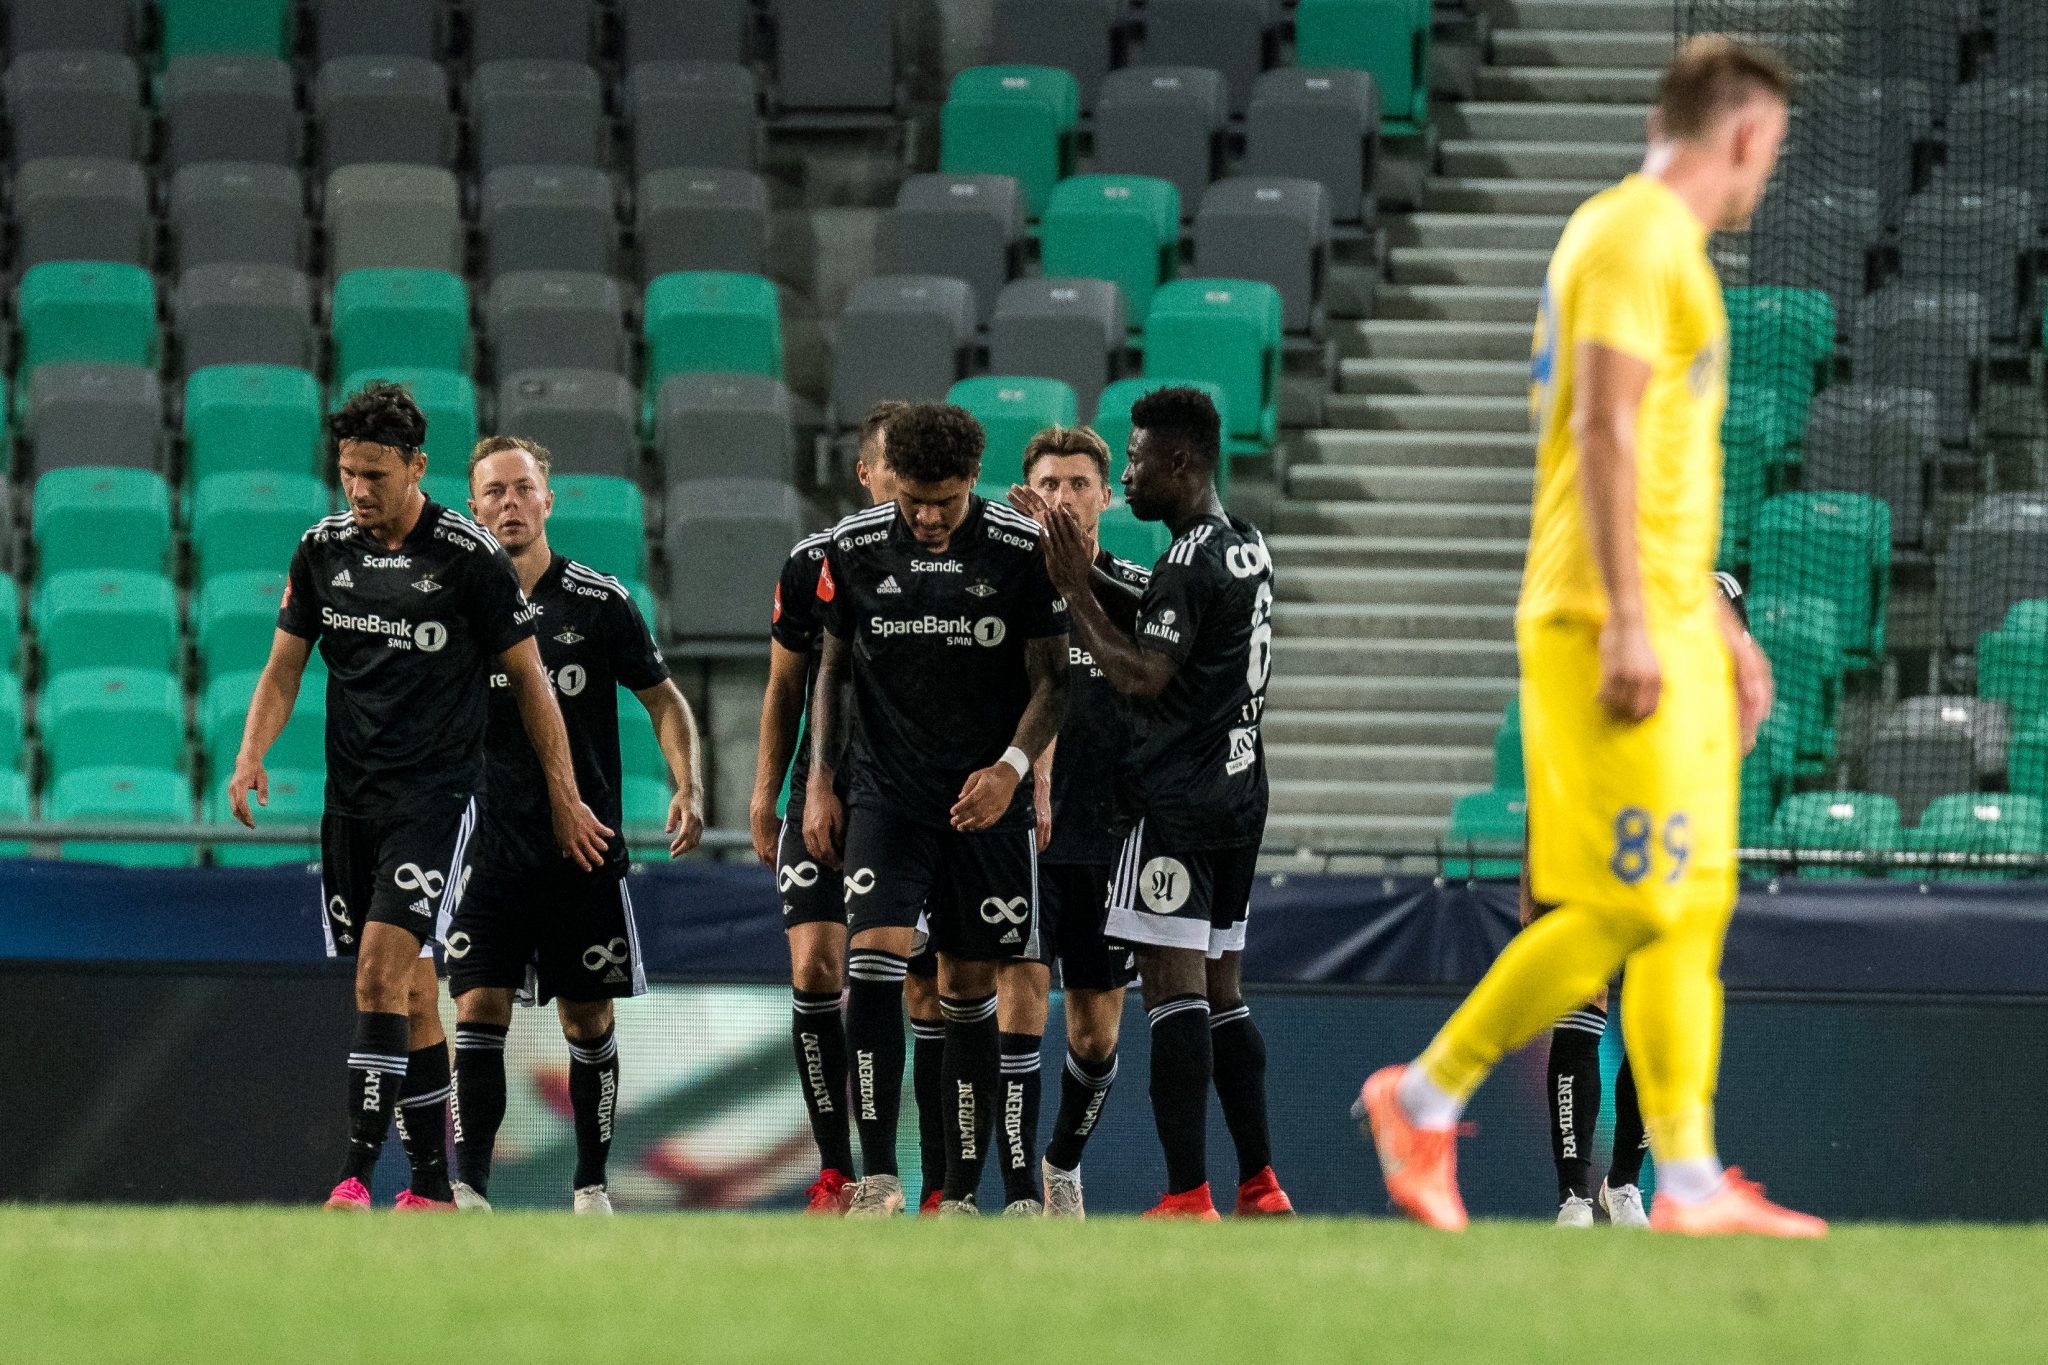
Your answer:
<point x="810" y="893"/>
<point x="406" y="870"/>
<point x="1073" y="905"/>
<point x="563" y="933"/>
<point x="978" y="893"/>
<point x="1174" y="898"/>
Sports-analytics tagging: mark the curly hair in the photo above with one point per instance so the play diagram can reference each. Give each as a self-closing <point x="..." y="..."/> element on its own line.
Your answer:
<point x="380" y="414"/>
<point x="1183" y="418"/>
<point x="935" y="443"/>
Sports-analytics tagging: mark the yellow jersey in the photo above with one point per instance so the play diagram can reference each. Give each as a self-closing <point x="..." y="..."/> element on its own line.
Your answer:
<point x="1631" y="272"/>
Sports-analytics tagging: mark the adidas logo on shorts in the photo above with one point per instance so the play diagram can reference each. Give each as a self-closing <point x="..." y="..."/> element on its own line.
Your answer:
<point x="890" y="584"/>
<point x="420" y="907"/>
<point x="614" y="975"/>
<point x="1012" y="937"/>
<point x="341" y="580"/>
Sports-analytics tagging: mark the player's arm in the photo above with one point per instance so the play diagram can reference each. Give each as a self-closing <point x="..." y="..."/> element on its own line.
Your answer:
<point x="270" y="708"/>
<point x="675" y="729"/>
<point x="987" y="793"/>
<point x="1755" y="689"/>
<point x="1041" y="793"/>
<point x="1610" y="386"/>
<point x="824" y="821"/>
<point x="579" y="833"/>
<point x="782" y="712"/>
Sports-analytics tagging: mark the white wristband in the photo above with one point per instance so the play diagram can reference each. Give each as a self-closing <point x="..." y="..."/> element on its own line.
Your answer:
<point x="1014" y="756"/>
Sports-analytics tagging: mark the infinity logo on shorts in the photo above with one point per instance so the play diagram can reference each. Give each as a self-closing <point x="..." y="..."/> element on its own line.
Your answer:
<point x="337" y="909"/>
<point x="797" y="874"/>
<point x="860" y="881"/>
<point x="598" y="954"/>
<point x="458" y="944"/>
<point x="996" y="910"/>
<point x="410" y="877"/>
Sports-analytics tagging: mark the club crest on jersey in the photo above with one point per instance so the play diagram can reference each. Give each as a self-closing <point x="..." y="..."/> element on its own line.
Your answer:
<point x="979" y="588"/>
<point x="568" y="636"/>
<point x="890" y="585"/>
<point x="426" y="585"/>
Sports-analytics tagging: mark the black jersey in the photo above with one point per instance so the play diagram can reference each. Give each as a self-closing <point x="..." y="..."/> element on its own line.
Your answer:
<point x="938" y="641"/>
<point x="795" y="627"/>
<point x="1197" y="767"/>
<point x="409" y="636"/>
<point x="593" y="641"/>
<point x="1095" y="733"/>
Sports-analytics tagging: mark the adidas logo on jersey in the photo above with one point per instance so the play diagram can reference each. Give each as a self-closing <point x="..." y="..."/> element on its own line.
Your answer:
<point x="341" y="580"/>
<point x="890" y="584"/>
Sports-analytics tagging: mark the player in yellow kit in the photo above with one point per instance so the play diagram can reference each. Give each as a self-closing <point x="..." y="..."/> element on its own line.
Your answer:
<point x="1635" y="678"/>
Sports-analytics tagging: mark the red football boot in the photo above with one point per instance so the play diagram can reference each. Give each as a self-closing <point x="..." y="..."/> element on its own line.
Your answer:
<point x="829" y="1195"/>
<point x="930" y="1207"/>
<point x="1262" y="1197"/>
<point x="408" y="1202"/>
<point x="1194" y="1203"/>
<point x="350" y="1196"/>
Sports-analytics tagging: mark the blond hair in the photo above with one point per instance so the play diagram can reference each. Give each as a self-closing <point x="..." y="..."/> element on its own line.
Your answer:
<point x="1713" y="75"/>
<point x="498" y="445"/>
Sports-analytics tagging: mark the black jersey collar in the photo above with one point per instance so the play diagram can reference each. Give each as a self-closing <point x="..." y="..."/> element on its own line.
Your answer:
<point x="907" y="541"/>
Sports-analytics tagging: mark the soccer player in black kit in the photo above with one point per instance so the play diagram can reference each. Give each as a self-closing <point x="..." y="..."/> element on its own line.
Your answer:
<point x="813" y="904"/>
<point x="1194" y="781"/>
<point x="413" y="606"/>
<point x="527" y="908"/>
<point x="939" y="609"/>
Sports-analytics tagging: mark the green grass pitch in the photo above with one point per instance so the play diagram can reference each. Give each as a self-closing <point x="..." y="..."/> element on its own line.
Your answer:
<point x="219" y="1287"/>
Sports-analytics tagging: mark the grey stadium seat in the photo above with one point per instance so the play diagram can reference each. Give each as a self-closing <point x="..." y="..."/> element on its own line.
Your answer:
<point x="538" y="113"/>
<point x="1880" y="441"/>
<point x="1849" y="132"/>
<point x="730" y="532"/>
<point x="1277" y="230"/>
<point x="1997" y="557"/>
<point x="836" y="54"/>
<point x="1924" y="338"/>
<point x="1914" y="767"/>
<point x="701" y="219"/>
<point x="549" y="218"/>
<point x="687" y="30"/>
<point x="901" y="336"/>
<point x="1163" y="121"/>
<point x="74" y="104"/>
<point x="1987" y="723"/>
<point x="546" y="30"/>
<point x="1996" y="133"/>
<point x="1321" y="124"/>
<point x="716" y="426"/>
<point x="106" y="415"/>
<point x="1073" y="35"/>
<point x="1234" y="37"/>
<point x="557" y="319"/>
<point x="2019" y="35"/>
<point x="379" y="28"/>
<point x="224" y="107"/>
<point x="970" y="227"/>
<point x="1070" y="330"/>
<point x="72" y="25"/>
<point x="381" y="215"/>
<point x="588" y="419"/>
<point x="1816" y="240"/>
<point x="1970" y="240"/>
<point x="693" y="113"/>
<point x="243" y="315"/>
<point x="70" y="208"/>
<point x="229" y="212"/>
<point x="383" y="109"/>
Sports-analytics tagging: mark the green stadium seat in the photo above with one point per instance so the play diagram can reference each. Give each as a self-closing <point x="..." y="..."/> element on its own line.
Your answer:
<point x="1390" y="39"/>
<point x="93" y="312"/>
<point x="89" y="518"/>
<point x="10" y="624"/>
<point x="1123" y="535"/>
<point x="107" y="618"/>
<point x="600" y="519"/>
<point x="447" y="398"/>
<point x="1113" y="419"/>
<point x="450" y="490"/>
<point x="1757" y="451"/>
<point x="253" y="417"/>
<point x="1802" y="637"/>
<point x="412" y="319"/>
<point x="1763" y="786"/>
<point x="643" y="598"/>
<point x="1227" y="332"/>
<point x="639" y="750"/>
<point x="235" y="619"/>
<point x="1012" y="409"/>
<point x="252" y="521"/>
<point x="123" y="794"/>
<point x="1012" y="120"/>
<point x="13" y="806"/>
<point x="708" y="321"/>
<point x="1120" y="228"/>
<point x="13" y="721"/>
<point x="262" y="27"/>
<point x="1832" y="545"/>
<point x="1509" y="774"/>
<point x="297" y="797"/>
<point x="1488" y="817"/>
<point x="2012" y="662"/>
<point x="1783" y="340"/>
<point x="90" y="717"/>
<point x="2026" y="760"/>
<point x="1837" y="820"/>
<point x="643" y="801"/>
<point x="224" y="706"/>
<point x="1977" y="822"/>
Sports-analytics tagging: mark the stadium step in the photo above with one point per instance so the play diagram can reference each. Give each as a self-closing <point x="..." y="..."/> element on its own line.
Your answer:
<point x="1416" y="339"/>
<point x="1310" y="693"/>
<point x="1605" y="16"/>
<point x="1544" y="160"/>
<point x="1312" y="554"/>
<point x="1460" y="729"/>
<point x="1315" y="762"/>
<point x="1393" y="621"/>
<point x="1368" y="519"/>
<point x="1486" y="653"/>
<point x="1355" y="830"/>
<point x="1545" y="84"/>
<point x="1588" y="122"/>
<point x="1464" y="587"/>
<point x="1429" y="412"/>
<point x="1520" y="231"/>
<point x="1395" y="449"/>
<point x="1443" y="378"/>
<point x="1460" y="303"/>
<point x="1496" y="194"/>
<point x="1366" y="794"/>
<point x="1466" y="265"/>
<point x="1459" y="486"/>
<point x="1567" y="47"/>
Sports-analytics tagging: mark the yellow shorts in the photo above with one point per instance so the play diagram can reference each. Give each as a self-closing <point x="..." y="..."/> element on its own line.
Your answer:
<point x="1635" y="817"/>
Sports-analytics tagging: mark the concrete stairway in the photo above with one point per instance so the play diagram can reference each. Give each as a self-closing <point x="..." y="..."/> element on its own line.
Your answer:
<point x="1401" y="523"/>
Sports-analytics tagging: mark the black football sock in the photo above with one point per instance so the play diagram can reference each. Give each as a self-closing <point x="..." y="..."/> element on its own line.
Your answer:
<point x="594" y="1102"/>
<point x="928" y="1056"/>
<point x="1084" y="1086"/>
<point x="1238" y="1053"/>
<point x="819" y="1034"/>
<point x="1021" y="1088"/>
<point x="376" y="1073"/>
<point x="1630" y="1142"/>
<point x="874" y="1043"/>
<point x="1181" y="1066"/>
<point x="423" y="1120"/>
<point x="1574" y="1084"/>
<point x="479" y="1106"/>
<point x="969" y="1079"/>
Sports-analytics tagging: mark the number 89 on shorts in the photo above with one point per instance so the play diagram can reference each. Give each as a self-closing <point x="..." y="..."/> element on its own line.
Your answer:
<point x="1639" y="841"/>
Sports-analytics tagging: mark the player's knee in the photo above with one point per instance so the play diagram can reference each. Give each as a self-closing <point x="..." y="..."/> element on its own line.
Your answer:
<point x="817" y="972"/>
<point x="966" y="979"/>
<point x="585" y="1021"/>
<point x="1091" y="1035"/>
<point x="484" y="1005"/>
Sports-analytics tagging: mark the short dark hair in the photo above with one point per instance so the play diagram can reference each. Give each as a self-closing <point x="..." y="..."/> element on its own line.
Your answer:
<point x="1056" y="440"/>
<point x="1713" y="75"/>
<point x="935" y="443"/>
<point x="1185" y="419"/>
<point x="878" y="419"/>
<point x="380" y="414"/>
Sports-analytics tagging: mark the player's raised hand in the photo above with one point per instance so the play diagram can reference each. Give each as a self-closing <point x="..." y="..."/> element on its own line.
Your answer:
<point x="985" y="797"/>
<point x="1630" y="679"/>
<point x="685" y="824"/>
<point x="248" y="776"/>
<point x="824" y="826"/>
<point x="580" y="835"/>
<point x="1067" y="559"/>
<point x="766" y="828"/>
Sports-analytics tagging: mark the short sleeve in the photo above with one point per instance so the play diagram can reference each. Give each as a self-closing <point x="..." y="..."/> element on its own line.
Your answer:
<point x="299" y="613"/>
<point x="636" y="658"/>
<point x="498" y="611"/>
<point x="1118" y="591"/>
<point x="1040" y="610"/>
<point x="1617" y="298"/>
<point x="794" y="624"/>
<point x="1170" y="615"/>
<point x="831" y="600"/>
